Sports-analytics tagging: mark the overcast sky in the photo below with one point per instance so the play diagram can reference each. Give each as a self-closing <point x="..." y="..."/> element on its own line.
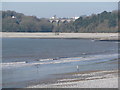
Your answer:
<point x="61" y="9"/>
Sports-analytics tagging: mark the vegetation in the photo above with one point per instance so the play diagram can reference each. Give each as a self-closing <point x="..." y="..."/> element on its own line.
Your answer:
<point x="22" y="23"/>
<point x="104" y="22"/>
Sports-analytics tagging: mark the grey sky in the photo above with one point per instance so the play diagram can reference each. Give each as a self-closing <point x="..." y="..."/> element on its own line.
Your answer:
<point x="61" y="9"/>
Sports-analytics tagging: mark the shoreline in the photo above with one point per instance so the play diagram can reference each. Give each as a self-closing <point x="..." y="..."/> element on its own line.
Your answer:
<point x="91" y="79"/>
<point x="36" y="35"/>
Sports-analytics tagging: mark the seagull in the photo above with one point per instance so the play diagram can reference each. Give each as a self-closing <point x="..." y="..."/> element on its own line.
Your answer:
<point x="77" y="68"/>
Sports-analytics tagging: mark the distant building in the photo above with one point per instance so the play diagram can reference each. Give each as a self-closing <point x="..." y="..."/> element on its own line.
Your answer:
<point x="13" y="16"/>
<point x="75" y="18"/>
<point x="56" y="19"/>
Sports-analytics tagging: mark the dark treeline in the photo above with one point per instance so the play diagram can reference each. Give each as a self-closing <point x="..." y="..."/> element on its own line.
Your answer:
<point x="18" y="22"/>
<point x="22" y="23"/>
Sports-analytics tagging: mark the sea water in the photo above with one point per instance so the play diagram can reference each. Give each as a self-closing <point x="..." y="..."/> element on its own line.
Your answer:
<point x="26" y="60"/>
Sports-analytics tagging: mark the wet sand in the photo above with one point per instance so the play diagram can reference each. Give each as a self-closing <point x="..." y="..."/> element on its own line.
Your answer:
<point x="100" y="36"/>
<point x="90" y="79"/>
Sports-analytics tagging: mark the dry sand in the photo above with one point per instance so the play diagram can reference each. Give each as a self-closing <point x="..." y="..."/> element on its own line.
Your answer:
<point x="102" y="36"/>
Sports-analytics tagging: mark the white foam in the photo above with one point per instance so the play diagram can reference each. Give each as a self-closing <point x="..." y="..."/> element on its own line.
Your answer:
<point x="61" y="60"/>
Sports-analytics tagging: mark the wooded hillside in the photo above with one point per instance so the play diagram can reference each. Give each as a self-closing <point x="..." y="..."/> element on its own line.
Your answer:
<point x="17" y="22"/>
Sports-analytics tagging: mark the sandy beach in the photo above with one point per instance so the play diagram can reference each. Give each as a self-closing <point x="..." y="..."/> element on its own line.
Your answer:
<point x="100" y="36"/>
<point x="98" y="64"/>
<point x="95" y="79"/>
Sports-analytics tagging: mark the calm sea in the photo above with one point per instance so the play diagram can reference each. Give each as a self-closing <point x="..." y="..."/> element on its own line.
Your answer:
<point x="27" y="61"/>
<point x="16" y="50"/>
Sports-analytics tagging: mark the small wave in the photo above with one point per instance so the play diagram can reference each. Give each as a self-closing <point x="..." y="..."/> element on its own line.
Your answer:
<point x="14" y="63"/>
<point x="58" y="61"/>
<point x="45" y="59"/>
